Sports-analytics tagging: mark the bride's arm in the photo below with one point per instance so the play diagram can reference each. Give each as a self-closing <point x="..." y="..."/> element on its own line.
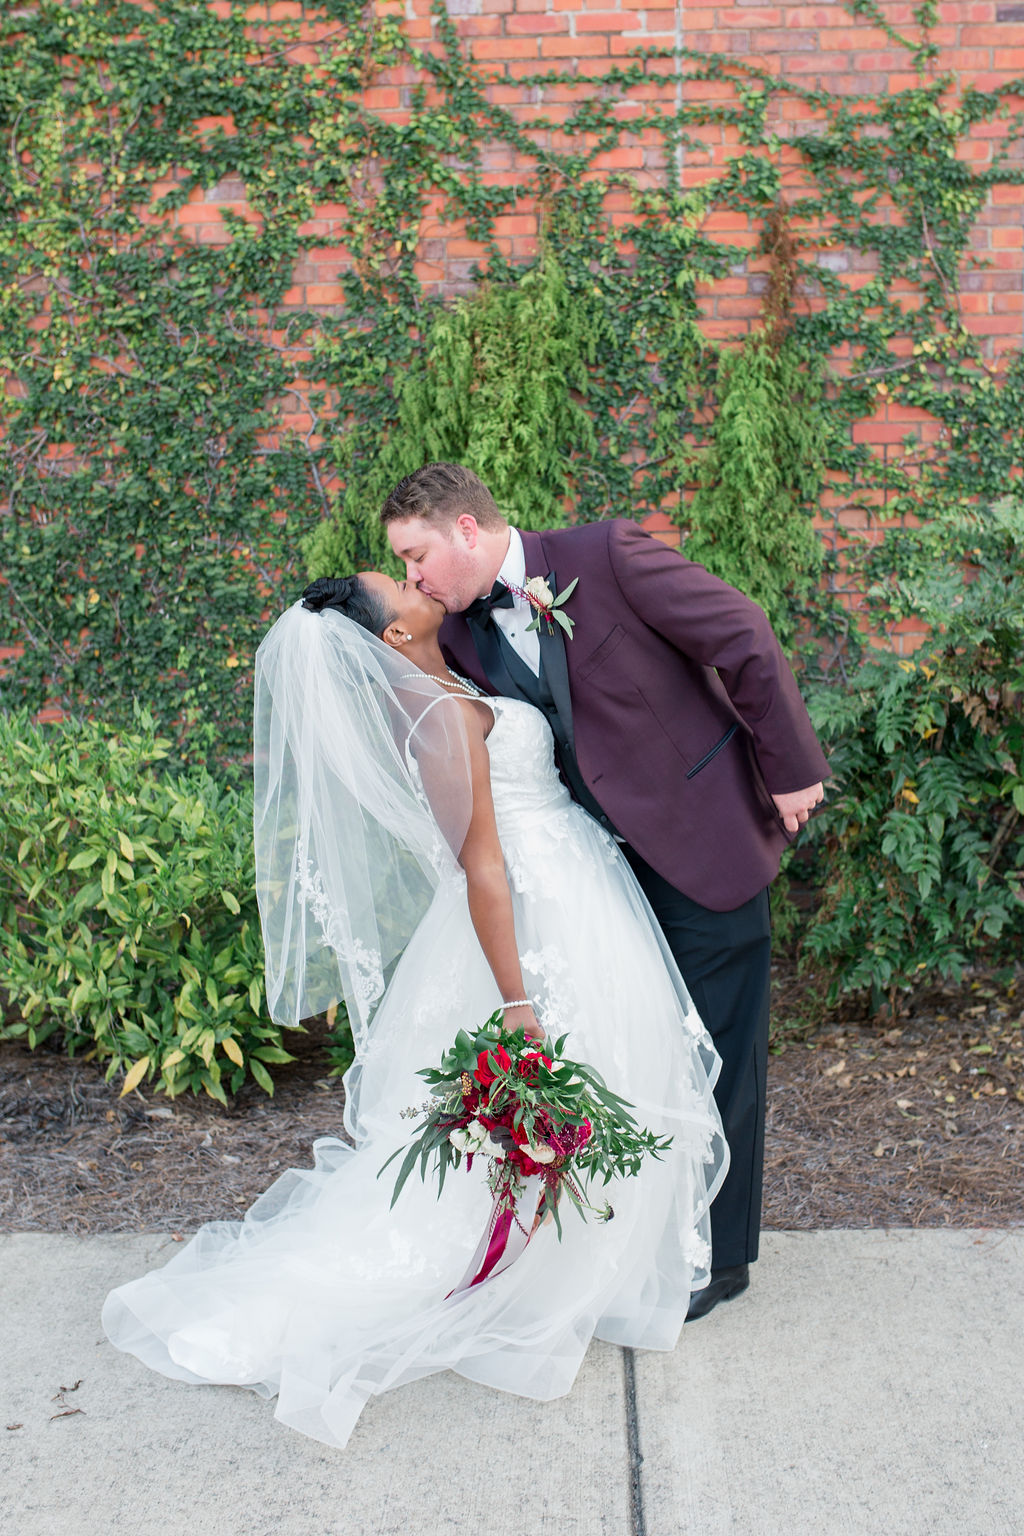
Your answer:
<point x="490" y="900"/>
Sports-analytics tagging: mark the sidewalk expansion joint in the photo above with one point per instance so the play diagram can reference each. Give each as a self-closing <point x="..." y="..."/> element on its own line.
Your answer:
<point x="637" y="1522"/>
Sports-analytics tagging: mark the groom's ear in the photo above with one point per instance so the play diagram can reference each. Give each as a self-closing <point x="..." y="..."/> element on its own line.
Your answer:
<point x="468" y="528"/>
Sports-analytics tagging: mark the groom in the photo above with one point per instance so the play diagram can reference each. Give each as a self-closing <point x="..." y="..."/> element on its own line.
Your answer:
<point x="677" y="724"/>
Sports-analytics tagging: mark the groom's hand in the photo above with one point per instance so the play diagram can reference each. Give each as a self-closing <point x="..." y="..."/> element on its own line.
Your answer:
<point x="795" y="807"/>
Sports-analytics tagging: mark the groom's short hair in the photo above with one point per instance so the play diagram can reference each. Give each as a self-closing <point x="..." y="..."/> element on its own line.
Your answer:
<point x="439" y="493"/>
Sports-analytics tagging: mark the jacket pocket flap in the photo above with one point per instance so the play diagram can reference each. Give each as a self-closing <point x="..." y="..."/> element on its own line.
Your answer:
<point x="604" y="650"/>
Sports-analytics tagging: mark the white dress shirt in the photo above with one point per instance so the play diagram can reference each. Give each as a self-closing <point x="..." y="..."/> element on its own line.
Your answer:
<point x="514" y="620"/>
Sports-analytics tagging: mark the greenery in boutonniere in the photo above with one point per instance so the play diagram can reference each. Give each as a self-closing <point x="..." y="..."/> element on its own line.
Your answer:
<point x="548" y="605"/>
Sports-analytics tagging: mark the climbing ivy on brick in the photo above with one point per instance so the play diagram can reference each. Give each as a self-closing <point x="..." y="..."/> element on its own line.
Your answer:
<point x="175" y="428"/>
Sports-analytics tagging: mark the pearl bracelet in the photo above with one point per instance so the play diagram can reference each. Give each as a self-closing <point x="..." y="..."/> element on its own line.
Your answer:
<point x="520" y="1002"/>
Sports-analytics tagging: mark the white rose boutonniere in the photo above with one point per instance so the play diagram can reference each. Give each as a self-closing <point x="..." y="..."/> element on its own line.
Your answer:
<point x="538" y="589"/>
<point x="548" y="604"/>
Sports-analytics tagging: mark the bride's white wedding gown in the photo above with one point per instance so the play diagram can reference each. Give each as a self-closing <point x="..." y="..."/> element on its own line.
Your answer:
<point x="322" y="1295"/>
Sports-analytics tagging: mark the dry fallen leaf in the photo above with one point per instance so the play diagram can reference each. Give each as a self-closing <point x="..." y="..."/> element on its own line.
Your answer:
<point x="65" y="1411"/>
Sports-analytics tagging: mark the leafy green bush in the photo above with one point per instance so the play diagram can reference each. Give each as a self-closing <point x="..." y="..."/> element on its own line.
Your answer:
<point x="921" y="844"/>
<point x="761" y="477"/>
<point x="493" y="390"/>
<point x="130" y="920"/>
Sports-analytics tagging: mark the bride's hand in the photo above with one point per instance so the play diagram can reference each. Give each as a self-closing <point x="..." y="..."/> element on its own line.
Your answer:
<point x="524" y="1018"/>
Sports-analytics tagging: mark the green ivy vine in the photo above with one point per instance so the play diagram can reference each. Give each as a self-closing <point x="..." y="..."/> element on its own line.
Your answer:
<point x="180" y="438"/>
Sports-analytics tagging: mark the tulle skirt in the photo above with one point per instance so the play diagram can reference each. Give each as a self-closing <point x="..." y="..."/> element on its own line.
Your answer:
<point x="324" y="1295"/>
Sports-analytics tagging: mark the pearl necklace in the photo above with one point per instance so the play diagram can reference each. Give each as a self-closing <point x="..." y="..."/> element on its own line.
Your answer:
<point x="461" y="683"/>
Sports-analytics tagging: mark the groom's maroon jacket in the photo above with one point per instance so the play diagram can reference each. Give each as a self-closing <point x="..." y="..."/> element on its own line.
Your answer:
<point x="665" y="659"/>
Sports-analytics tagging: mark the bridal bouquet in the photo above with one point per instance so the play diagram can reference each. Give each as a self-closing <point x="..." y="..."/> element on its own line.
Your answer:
<point x="548" y="1125"/>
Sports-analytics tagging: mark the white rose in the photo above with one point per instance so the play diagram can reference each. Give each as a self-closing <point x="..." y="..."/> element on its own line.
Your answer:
<point x="471" y="1139"/>
<point x="489" y="1148"/>
<point x="538" y="588"/>
<point x="540" y="1154"/>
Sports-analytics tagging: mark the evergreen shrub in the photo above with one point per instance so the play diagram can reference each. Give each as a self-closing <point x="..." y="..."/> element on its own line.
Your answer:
<point x="131" y="932"/>
<point x="920" y="845"/>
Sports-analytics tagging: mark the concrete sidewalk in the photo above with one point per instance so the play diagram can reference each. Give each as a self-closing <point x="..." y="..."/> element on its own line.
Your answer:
<point x="868" y="1384"/>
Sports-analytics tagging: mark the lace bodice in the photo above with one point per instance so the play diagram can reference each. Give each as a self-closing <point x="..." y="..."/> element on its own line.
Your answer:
<point x="539" y="823"/>
<point x="524" y="778"/>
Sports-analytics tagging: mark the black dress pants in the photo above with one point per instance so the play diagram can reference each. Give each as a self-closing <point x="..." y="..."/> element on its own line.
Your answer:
<point x="724" y="958"/>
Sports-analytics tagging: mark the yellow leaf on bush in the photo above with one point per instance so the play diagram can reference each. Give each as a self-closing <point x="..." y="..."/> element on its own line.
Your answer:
<point x="126" y="847"/>
<point x="233" y="1050"/>
<point x="173" y="1058"/>
<point x="135" y="1075"/>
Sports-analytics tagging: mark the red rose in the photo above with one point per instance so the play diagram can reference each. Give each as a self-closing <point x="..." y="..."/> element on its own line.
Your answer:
<point x="530" y="1065"/>
<point x="540" y="1135"/>
<point x="485" y="1073"/>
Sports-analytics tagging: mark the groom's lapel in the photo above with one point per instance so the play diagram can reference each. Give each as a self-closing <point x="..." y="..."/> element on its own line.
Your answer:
<point x="487" y="640"/>
<point x="552" y="647"/>
<point x="556" y="669"/>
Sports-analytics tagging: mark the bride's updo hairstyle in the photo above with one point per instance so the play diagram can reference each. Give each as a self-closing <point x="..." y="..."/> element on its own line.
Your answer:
<point x="352" y="598"/>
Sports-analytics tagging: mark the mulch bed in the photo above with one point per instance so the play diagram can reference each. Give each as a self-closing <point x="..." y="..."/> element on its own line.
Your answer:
<point x="917" y="1122"/>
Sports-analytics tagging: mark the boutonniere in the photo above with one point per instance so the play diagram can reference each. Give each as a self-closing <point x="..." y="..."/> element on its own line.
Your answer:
<point x="547" y="603"/>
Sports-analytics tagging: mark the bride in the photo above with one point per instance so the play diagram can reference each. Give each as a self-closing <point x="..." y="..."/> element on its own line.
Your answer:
<point x="417" y="854"/>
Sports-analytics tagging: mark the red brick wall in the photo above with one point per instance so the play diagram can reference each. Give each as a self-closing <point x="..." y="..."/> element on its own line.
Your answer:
<point x="981" y="42"/>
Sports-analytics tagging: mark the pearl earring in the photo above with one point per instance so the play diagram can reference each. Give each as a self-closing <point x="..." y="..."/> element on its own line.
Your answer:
<point x="408" y="637"/>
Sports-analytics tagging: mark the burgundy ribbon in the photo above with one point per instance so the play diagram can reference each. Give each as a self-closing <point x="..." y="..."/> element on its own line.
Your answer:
<point x="505" y="1236"/>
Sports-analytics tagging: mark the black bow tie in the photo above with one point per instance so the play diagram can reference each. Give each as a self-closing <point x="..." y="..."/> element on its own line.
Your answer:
<point x="498" y="597"/>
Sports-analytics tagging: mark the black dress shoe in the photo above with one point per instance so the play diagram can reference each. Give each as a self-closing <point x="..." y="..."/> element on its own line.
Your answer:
<point x="723" y="1286"/>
